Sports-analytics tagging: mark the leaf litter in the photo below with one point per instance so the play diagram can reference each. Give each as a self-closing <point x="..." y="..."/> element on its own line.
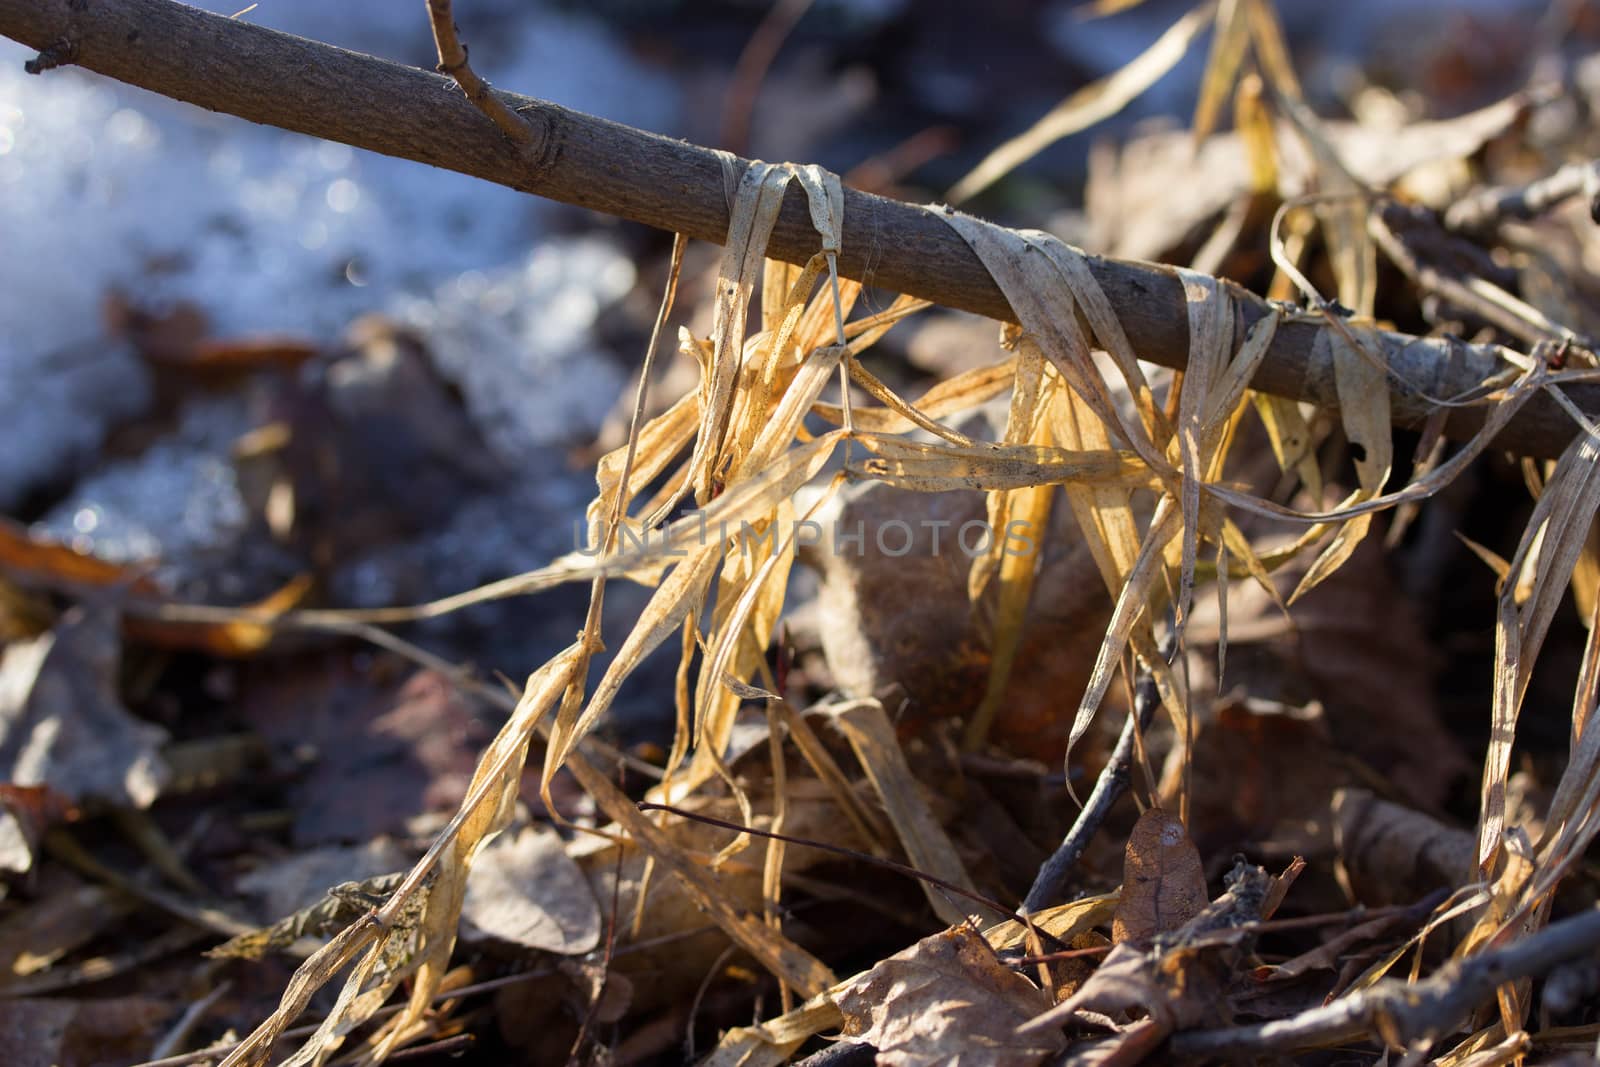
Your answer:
<point x="748" y="844"/>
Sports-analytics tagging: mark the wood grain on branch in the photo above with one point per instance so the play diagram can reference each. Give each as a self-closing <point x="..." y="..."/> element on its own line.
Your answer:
<point x="231" y="66"/>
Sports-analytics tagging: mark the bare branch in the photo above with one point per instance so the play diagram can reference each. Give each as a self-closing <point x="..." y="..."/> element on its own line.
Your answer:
<point x="259" y="74"/>
<point x="1404" y="1013"/>
<point x="1488" y="208"/>
<point x="1108" y="789"/>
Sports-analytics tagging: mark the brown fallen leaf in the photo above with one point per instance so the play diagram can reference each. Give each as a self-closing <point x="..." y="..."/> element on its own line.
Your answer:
<point x="933" y="653"/>
<point x="26" y="812"/>
<point x="62" y="723"/>
<point x="36" y="559"/>
<point x="229" y="640"/>
<point x="526" y="890"/>
<point x="41" y="1032"/>
<point x="66" y="915"/>
<point x="946" y="1000"/>
<point x="1179" y="980"/>
<point x="1356" y="647"/>
<point x="386" y="750"/>
<point x="179" y="338"/>
<point x="27" y="557"/>
<point x="1390" y="854"/>
<point x="251" y="352"/>
<point x="1163" y="883"/>
<point x="1129" y="195"/>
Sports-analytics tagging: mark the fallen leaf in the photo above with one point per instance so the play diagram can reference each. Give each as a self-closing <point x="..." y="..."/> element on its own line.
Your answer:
<point x="1391" y="854"/>
<point x="26" y="812"/>
<point x="62" y="723"/>
<point x="1180" y="980"/>
<point x="26" y="556"/>
<point x="525" y="889"/>
<point x="67" y="915"/>
<point x="946" y="1000"/>
<point x="384" y="753"/>
<point x="1163" y="883"/>
<point x="302" y="881"/>
<point x="37" y="1032"/>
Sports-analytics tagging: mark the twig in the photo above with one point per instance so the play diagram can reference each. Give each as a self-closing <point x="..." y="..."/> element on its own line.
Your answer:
<point x="1487" y="208"/>
<point x="445" y="1048"/>
<point x="265" y="76"/>
<point x="453" y="62"/>
<point x="60" y="54"/>
<point x="1108" y="789"/>
<point x="186" y="1023"/>
<point x="1406" y="1014"/>
<point x="605" y="964"/>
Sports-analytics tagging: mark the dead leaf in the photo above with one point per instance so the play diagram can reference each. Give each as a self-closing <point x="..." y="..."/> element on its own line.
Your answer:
<point x="946" y="1000"/>
<point x="302" y="881"/>
<point x="525" y="889"/>
<point x="1135" y="214"/>
<point x="1354" y="647"/>
<point x="26" y="556"/>
<point x="1163" y="883"/>
<point x="62" y="723"/>
<point x="37" y="1032"/>
<point x="933" y="650"/>
<point x="1390" y="854"/>
<point x="67" y="915"/>
<point x="383" y="753"/>
<point x="1182" y="981"/>
<point x="26" y="812"/>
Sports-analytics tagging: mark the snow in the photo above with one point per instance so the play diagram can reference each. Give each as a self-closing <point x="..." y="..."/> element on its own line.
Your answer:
<point x="104" y="187"/>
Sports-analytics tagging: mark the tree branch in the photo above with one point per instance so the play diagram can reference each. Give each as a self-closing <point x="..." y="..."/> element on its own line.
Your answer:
<point x="1406" y="1013"/>
<point x="274" y="78"/>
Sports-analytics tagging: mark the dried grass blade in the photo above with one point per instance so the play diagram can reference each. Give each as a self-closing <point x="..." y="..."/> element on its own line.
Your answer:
<point x="1210" y="335"/>
<point x="1363" y="389"/>
<point x="755" y="212"/>
<point x="773" y="1042"/>
<point x="1222" y="65"/>
<point x="898" y="416"/>
<point x="1096" y="101"/>
<point x="938" y="468"/>
<point x="1561" y="520"/>
<point x="1290" y="437"/>
<point x="678" y="595"/>
<point x="771" y="949"/>
<point x="1025" y="269"/>
<point x="1011" y="571"/>
<point x="871" y="735"/>
<point x="1131" y="603"/>
<point x="961" y="393"/>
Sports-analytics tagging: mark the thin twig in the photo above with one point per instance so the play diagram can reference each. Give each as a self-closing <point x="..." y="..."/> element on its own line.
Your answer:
<point x="179" y="1032"/>
<point x="1487" y="208"/>
<point x="1406" y="1014"/>
<point x="605" y="964"/>
<point x="445" y="1048"/>
<point x="453" y="63"/>
<point x="1108" y="789"/>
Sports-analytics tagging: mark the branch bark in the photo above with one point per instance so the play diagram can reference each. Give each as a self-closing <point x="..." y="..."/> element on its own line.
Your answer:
<point x="231" y="66"/>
